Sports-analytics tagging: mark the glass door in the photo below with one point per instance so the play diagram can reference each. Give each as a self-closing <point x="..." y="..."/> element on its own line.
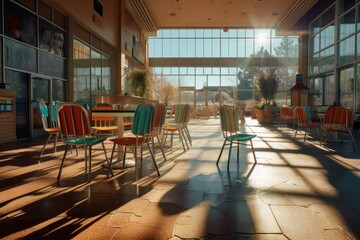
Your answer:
<point x="40" y="92"/>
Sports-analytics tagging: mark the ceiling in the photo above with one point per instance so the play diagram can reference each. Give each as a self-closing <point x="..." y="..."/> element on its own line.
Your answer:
<point x="160" y="14"/>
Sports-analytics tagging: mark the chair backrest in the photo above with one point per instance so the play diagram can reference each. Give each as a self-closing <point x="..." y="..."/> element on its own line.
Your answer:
<point x="308" y="113"/>
<point x="286" y="112"/>
<point x="339" y="115"/>
<point x="179" y="113"/>
<point x="159" y="117"/>
<point x="103" y="120"/>
<point x="300" y="115"/>
<point x="229" y="119"/>
<point x="187" y="114"/>
<point x="143" y="118"/>
<point x="73" y="120"/>
<point x="44" y="114"/>
<point x="53" y="112"/>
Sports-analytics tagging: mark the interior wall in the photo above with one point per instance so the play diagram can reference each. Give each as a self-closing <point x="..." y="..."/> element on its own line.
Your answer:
<point x="105" y="26"/>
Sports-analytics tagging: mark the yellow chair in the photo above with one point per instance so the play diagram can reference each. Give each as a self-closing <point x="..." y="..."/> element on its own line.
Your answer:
<point x="229" y="122"/>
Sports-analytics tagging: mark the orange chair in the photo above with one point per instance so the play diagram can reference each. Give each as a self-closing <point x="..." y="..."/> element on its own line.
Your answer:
<point x="104" y="125"/>
<point x="302" y="121"/>
<point x="338" y="119"/>
<point x="158" y="122"/>
<point x="286" y="115"/>
<point x="73" y="120"/>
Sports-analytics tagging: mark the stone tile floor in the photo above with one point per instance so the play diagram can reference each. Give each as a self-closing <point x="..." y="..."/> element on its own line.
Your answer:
<point x="297" y="190"/>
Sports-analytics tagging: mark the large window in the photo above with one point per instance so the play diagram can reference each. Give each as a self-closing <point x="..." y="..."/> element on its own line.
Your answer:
<point x="213" y="61"/>
<point x="92" y="73"/>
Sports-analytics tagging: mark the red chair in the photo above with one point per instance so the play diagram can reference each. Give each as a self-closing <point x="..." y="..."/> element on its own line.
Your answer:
<point x="303" y="122"/>
<point x="339" y="120"/>
<point x="74" y="123"/>
<point x="286" y="115"/>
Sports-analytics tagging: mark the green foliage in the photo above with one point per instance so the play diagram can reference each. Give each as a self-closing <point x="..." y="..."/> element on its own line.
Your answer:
<point x="267" y="86"/>
<point x="140" y="83"/>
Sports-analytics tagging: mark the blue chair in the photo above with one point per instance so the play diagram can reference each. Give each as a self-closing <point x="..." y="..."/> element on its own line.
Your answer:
<point x="53" y="131"/>
<point x="74" y="124"/>
<point x="141" y="135"/>
<point x="229" y="122"/>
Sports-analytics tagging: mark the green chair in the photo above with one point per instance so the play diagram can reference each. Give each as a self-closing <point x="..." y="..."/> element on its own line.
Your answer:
<point x="53" y="131"/>
<point x="230" y="127"/>
<point x="141" y="135"/>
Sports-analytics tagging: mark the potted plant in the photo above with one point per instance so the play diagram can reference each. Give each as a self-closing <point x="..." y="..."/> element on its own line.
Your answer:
<point x="267" y="85"/>
<point x="140" y="83"/>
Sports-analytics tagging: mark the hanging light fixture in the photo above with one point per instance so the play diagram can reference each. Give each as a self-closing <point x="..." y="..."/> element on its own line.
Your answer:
<point x="225" y="29"/>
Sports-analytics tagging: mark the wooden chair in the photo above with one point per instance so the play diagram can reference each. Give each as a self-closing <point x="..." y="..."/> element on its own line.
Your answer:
<point x="338" y="119"/>
<point x="229" y="122"/>
<point x="303" y="122"/>
<point x="74" y="123"/>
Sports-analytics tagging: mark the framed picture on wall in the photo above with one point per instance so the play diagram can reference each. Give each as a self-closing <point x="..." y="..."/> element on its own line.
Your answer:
<point x="138" y="50"/>
<point x="98" y="7"/>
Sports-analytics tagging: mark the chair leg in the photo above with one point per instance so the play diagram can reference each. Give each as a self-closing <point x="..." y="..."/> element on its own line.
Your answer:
<point x="89" y="180"/>
<point x="221" y="151"/>
<point x="229" y="155"/>
<point x="56" y="139"/>
<point x="62" y="162"/>
<point x="238" y="152"/>
<point x="181" y="139"/>
<point x="153" y="158"/>
<point x="352" y="139"/>
<point x="111" y="159"/>
<point x="252" y="148"/>
<point x="161" y="147"/>
<point x="43" y="148"/>
<point x="124" y="157"/>
<point x="107" y="161"/>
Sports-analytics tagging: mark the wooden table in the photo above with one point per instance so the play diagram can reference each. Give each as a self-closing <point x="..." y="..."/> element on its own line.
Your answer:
<point x="119" y="114"/>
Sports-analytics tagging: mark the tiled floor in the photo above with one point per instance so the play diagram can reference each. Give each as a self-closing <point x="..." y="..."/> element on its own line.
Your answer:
<point x="297" y="190"/>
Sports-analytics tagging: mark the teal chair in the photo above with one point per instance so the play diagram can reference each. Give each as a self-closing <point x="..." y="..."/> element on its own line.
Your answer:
<point x="229" y="122"/>
<point x="141" y="135"/>
<point x="53" y="131"/>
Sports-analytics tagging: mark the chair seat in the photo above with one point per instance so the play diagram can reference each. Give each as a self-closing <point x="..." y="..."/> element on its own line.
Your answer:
<point x="127" y="124"/>
<point x="129" y="141"/>
<point x="334" y="128"/>
<point x="107" y="128"/>
<point x="170" y="128"/>
<point x="52" y="130"/>
<point x="84" y="141"/>
<point x="240" y="137"/>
